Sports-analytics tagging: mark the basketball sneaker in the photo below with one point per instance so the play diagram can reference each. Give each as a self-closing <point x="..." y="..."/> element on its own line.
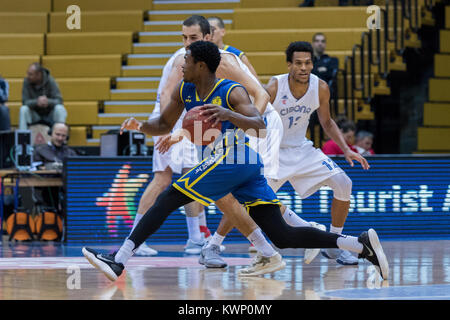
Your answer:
<point x="311" y="254"/>
<point x="210" y="257"/>
<point x="373" y="252"/>
<point x="347" y="259"/>
<point x="104" y="262"/>
<point x="193" y="247"/>
<point x="145" y="250"/>
<point x="262" y="265"/>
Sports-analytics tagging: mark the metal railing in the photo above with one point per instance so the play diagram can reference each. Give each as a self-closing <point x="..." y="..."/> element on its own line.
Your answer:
<point x="374" y="53"/>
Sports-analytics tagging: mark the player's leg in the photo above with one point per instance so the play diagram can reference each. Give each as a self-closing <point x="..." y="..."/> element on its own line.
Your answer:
<point x="161" y="180"/>
<point x="113" y="265"/>
<point x="341" y="185"/>
<point x="195" y="240"/>
<point x="268" y="218"/>
<point x="289" y="216"/>
<point x="235" y="215"/>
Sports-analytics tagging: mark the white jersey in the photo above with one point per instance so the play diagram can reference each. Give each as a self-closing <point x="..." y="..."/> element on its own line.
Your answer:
<point x="295" y="113"/>
<point x="165" y="75"/>
<point x="242" y="65"/>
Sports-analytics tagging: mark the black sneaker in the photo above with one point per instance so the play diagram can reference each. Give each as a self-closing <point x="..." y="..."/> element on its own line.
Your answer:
<point x="104" y="262"/>
<point x="373" y="252"/>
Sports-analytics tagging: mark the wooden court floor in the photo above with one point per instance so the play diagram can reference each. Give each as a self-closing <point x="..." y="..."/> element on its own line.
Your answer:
<point x="419" y="270"/>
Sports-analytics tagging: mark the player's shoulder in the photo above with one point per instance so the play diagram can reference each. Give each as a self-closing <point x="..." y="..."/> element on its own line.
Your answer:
<point x="234" y="50"/>
<point x="323" y="85"/>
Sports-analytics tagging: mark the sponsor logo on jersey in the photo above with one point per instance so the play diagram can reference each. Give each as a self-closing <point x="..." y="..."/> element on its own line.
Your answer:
<point x="301" y="109"/>
<point x="217" y="100"/>
<point x="188" y="99"/>
<point x="284" y="99"/>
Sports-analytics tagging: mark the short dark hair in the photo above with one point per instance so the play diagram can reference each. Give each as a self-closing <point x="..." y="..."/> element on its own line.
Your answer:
<point x="206" y="52"/>
<point x="318" y="34"/>
<point x="298" y="46"/>
<point x="219" y="21"/>
<point x="200" y="21"/>
<point x="345" y="125"/>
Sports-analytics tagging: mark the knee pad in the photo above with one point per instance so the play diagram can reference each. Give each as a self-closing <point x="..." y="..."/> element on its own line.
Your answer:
<point x="341" y="185"/>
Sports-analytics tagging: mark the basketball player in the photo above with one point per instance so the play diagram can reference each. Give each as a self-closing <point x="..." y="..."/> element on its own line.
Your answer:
<point x="220" y="178"/>
<point x="197" y="28"/>
<point x="218" y="32"/>
<point x="295" y="96"/>
<point x="164" y="165"/>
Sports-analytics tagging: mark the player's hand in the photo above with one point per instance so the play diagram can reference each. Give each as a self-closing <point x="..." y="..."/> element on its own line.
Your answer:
<point x="131" y="124"/>
<point x="351" y="155"/>
<point x="165" y="142"/>
<point x="216" y="113"/>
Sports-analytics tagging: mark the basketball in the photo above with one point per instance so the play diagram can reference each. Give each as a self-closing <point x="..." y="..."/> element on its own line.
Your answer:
<point x="200" y="133"/>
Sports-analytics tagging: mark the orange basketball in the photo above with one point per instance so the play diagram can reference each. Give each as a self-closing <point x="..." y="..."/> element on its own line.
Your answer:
<point x="50" y="218"/>
<point x="21" y="219"/>
<point x="201" y="133"/>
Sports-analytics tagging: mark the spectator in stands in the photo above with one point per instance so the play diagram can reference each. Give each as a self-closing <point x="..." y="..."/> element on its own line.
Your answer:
<point x="5" y="123"/>
<point x="363" y="143"/>
<point x="218" y="32"/>
<point x="52" y="155"/>
<point x="325" y="67"/>
<point x="56" y="149"/>
<point x="348" y="129"/>
<point x="41" y="98"/>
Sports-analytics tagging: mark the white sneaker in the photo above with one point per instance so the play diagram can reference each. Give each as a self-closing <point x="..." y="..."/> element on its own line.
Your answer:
<point x="262" y="265"/>
<point x="252" y="248"/>
<point x="311" y="254"/>
<point x="145" y="250"/>
<point x="193" y="247"/>
<point x="347" y="259"/>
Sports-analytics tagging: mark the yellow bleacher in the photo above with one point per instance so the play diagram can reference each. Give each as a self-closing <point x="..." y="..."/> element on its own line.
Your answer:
<point x="83" y="65"/>
<point x="434" y="135"/>
<point x="114" y="63"/>
<point x="24" y="22"/>
<point x="100" y="21"/>
<point x="21" y="44"/>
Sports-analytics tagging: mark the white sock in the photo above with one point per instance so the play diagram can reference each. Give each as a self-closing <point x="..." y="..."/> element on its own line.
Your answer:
<point x="337" y="230"/>
<point x="125" y="252"/>
<point x="349" y="243"/>
<point x="202" y="218"/>
<point x="261" y="244"/>
<point x="293" y="219"/>
<point x="193" y="229"/>
<point x="137" y="218"/>
<point x="216" y="239"/>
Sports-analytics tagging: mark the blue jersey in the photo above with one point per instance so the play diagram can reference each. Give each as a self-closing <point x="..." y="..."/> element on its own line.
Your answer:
<point x="219" y="95"/>
<point x="231" y="49"/>
<point x="231" y="166"/>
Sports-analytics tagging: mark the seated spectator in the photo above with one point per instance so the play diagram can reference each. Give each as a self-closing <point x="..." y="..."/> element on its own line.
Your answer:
<point x="52" y="155"/>
<point x="348" y="129"/>
<point x="325" y="67"/>
<point x="363" y="143"/>
<point x="41" y="98"/>
<point x="5" y="122"/>
<point x="56" y="149"/>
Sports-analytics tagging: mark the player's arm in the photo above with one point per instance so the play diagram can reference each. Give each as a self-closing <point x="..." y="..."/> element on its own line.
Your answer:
<point x="244" y="116"/>
<point x="162" y="124"/>
<point x="229" y="69"/>
<point x="173" y="80"/>
<point x="332" y="130"/>
<point x="272" y="88"/>
<point x="249" y="65"/>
